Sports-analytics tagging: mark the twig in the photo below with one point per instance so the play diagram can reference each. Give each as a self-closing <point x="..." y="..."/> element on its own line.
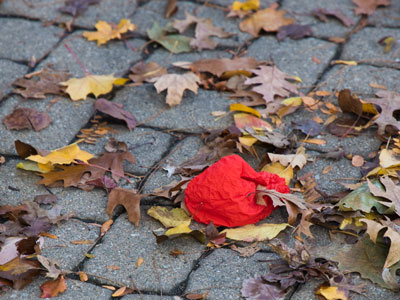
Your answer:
<point x="76" y="59"/>
<point x="158" y="276"/>
<point x="135" y="285"/>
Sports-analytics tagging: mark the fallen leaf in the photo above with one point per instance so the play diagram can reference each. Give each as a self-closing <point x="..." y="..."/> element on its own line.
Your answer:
<point x="327" y="169"/>
<point x="27" y="118"/>
<point x="268" y="19"/>
<point x="82" y="276"/>
<point x="142" y="72"/>
<point x="82" y="242"/>
<point x="308" y="127"/>
<point x="282" y="171"/>
<point x="122" y="292"/>
<point x="315" y="141"/>
<point x="52" y="267"/>
<point x="53" y="288"/>
<point x="139" y="261"/>
<point x="203" y="31"/>
<point x="389" y="102"/>
<point x="174" y="43"/>
<point x="108" y="31"/>
<point x="176" y="252"/>
<point x="388" y="42"/>
<point x="391" y="193"/>
<point x="116" y="110"/>
<point x="40" y="83"/>
<point x="322" y="13"/>
<point x="45" y="199"/>
<point x="331" y="292"/>
<point x="271" y="82"/>
<point x="105" y="227"/>
<point x="77" y="7"/>
<point x="368" y="7"/>
<point x="219" y="67"/>
<point x="294" y="160"/>
<point x="176" y="84"/>
<point x="80" y="88"/>
<point x="344" y="62"/>
<point x="294" y="31"/>
<point x="129" y="199"/>
<point x="257" y="289"/>
<point x="109" y="287"/>
<point x="244" y="108"/>
<point x="246" y="251"/>
<point x="357" y="161"/>
<point x="170" y="8"/>
<point x="247" y="5"/>
<point x="169" y="218"/>
<point x="255" y="233"/>
<point x="112" y="267"/>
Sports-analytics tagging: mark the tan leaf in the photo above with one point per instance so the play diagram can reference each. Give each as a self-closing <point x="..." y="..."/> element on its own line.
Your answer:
<point x="268" y="19"/>
<point x="391" y="193"/>
<point x="83" y="277"/>
<point x="146" y="71"/>
<point x="246" y="251"/>
<point x="176" y="84"/>
<point x="52" y="288"/>
<point x="271" y="82"/>
<point x="105" y="227"/>
<point x="368" y="7"/>
<point x="357" y="161"/>
<point x="129" y="199"/>
<point x="294" y="160"/>
<point x="252" y="233"/>
<point x="139" y="261"/>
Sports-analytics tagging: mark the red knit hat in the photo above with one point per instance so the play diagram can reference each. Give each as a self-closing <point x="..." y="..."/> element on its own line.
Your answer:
<point x="225" y="193"/>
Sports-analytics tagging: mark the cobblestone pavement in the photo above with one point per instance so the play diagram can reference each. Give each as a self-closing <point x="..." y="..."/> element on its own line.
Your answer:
<point x="32" y="36"/>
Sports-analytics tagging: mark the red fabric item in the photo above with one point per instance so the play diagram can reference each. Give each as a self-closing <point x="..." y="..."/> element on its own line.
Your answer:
<point x="225" y="193"/>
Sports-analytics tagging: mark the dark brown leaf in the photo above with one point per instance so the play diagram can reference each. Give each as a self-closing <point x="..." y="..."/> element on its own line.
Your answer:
<point x="129" y="199"/>
<point x="27" y="118"/>
<point x="116" y="110"/>
<point x="294" y="31"/>
<point x="77" y="7"/>
<point x="348" y="103"/>
<point x="170" y="8"/>
<point x="24" y="150"/>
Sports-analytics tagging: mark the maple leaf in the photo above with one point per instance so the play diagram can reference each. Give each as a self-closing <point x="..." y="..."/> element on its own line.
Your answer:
<point x="176" y="84"/>
<point x="174" y="43"/>
<point x="76" y="7"/>
<point x="272" y="82"/>
<point x="52" y="288"/>
<point x="218" y="67"/>
<point x="36" y="85"/>
<point x="268" y="19"/>
<point x="129" y="199"/>
<point x="389" y="102"/>
<point x="146" y="71"/>
<point x="116" y="111"/>
<point x="368" y="7"/>
<point x="27" y="118"/>
<point x="80" y="88"/>
<point x="108" y="31"/>
<point x="204" y="30"/>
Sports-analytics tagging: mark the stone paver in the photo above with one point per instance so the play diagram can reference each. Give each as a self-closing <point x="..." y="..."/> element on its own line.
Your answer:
<point x="34" y="29"/>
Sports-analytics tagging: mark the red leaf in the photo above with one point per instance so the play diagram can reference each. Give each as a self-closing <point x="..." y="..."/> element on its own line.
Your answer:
<point x="52" y="288"/>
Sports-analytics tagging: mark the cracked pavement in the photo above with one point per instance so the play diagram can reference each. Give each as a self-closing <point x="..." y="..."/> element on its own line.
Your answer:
<point x="32" y="36"/>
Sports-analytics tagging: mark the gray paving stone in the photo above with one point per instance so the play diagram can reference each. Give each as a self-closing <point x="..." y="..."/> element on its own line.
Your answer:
<point x="372" y="51"/>
<point x="61" y="131"/>
<point x="75" y="290"/>
<point x="358" y="79"/>
<point x="9" y="71"/>
<point x="154" y="11"/>
<point x="192" y="115"/>
<point x="295" y="57"/>
<point x="301" y="12"/>
<point x="61" y="250"/>
<point x="17" y="185"/>
<point x="386" y="16"/>
<point x="223" y="271"/>
<point x="147" y="145"/>
<point x="149" y="297"/>
<point x="46" y="10"/>
<point x="124" y="244"/>
<point x="114" y="57"/>
<point x="23" y="44"/>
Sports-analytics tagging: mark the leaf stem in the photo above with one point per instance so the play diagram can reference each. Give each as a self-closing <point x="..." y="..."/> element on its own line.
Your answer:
<point x="77" y="59"/>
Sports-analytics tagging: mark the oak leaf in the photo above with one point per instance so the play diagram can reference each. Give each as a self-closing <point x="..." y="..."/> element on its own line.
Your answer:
<point x="116" y="110"/>
<point x="176" y="84"/>
<point x="203" y="31"/>
<point x="36" y="85"/>
<point x="142" y="71"/>
<point x="389" y="102"/>
<point x="368" y="7"/>
<point x="129" y="199"/>
<point x="220" y="66"/>
<point x="27" y="118"/>
<point x="52" y="288"/>
<point x="391" y="193"/>
<point x="268" y="19"/>
<point x="108" y="31"/>
<point x="271" y="82"/>
<point x="80" y="88"/>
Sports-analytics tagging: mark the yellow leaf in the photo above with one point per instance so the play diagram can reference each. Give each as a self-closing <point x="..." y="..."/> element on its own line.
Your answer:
<point x="139" y="261"/>
<point x="252" y="233"/>
<point x="345" y="62"/>
<point x="387" y="159"/>
<point x="88" y="255"/>
<point x="183" y="228"/>
<point x="293" y="101"/>
<point x="278" y="169"/>
<point x="246" y="6"/>
<point x="30" y="166"/>
<point x="244" y="108"/>
<point x="247" y="140"/>
<point x="79" y="88"/>
<point x="169" y="218"/>
<point x="62" y="156"/>
<point x="315" y="141"/>
<point x="331" y="293"/>
<point x="82" y="276"/>
<point x="107" y="31"/>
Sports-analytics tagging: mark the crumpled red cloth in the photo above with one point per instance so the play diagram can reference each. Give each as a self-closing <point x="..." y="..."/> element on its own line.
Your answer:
<point x="225" y="193"/>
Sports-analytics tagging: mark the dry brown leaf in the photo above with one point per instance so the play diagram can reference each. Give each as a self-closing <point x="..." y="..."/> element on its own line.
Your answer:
<point x="170" y="8"/>
<point x="139" y="261"/>
<point x="27" y="118"/>
<point x="357" y="161"/>
<point x="82" y="276"/>
<point x="142" y="71"/>
<point x="246" y="251"/>
<point x="129" y="199"/>
<point x="268" y="19"/>
<point x="176" y="84"/>
<point x="294" y="160"/>
<point x="391" y="193"/>
<point x="52" y="288"/>
<point x="270" y="82"/>
<point x="368" y="7"/>
<point x="105" y="227"/>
